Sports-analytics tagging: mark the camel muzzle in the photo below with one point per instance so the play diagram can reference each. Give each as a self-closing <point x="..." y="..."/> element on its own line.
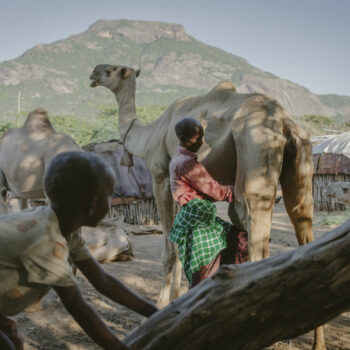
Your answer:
<point x="94" y="83"/>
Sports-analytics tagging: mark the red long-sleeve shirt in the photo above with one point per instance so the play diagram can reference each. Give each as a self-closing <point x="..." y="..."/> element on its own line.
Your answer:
<point x="189" y="179"/>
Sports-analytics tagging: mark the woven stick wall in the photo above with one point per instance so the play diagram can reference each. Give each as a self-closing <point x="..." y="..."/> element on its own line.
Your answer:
<point x="139" y="212"/>
<point x="321" y="202"/>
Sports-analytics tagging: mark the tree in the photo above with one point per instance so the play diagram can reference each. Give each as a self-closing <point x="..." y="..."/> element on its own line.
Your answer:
<point x="253" y="305"/>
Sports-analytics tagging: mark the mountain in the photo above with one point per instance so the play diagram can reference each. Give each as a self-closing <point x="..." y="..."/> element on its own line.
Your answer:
<point x="173" y="64"/>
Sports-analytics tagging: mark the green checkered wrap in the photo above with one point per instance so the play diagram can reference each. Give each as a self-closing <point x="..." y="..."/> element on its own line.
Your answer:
<point x="199" y="234"/>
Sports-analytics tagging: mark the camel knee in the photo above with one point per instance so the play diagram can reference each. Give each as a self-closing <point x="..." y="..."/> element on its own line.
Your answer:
<point x="169" y="255"/>
<point x="168" y="263"/>
<point x="260" y="219"/>
<point x="258" y="245"/>
<point x="303" y="229"/>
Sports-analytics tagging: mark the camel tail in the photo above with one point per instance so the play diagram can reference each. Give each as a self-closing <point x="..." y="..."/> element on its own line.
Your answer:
<point x="296" y="180"/>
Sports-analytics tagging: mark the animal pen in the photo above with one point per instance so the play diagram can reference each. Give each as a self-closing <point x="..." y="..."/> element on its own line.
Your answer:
<point x="133" y="194"/>
<point x="331" y="159"/>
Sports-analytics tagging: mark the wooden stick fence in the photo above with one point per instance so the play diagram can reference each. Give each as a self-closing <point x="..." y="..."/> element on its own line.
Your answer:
<point x="138" y="212"/>
<point x="321" y="202"/>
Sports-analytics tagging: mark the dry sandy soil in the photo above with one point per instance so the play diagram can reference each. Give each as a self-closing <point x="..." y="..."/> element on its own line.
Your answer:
<point x="52" y="328"/>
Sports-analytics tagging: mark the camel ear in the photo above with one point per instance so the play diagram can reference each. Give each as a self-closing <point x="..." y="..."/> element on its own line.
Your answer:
<point x="124" y="73"/>
<point x="137" y="72"/>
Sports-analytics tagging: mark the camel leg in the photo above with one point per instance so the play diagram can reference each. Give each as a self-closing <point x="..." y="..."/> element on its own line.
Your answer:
<point x="296" y="183"/>
<point x="3" y="191"/>
<point x="260" y="208"/>
<point x="297" y="197"/>
<point x="165" y="205"/>
<point x="23" y="203"/>
<point x="257" y="222"/>
<point x="177" y="278"/>
<point x="258" y="170"/>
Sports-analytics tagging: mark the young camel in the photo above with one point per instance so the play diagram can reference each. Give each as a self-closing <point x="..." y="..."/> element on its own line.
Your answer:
<point x="250" y="142"/>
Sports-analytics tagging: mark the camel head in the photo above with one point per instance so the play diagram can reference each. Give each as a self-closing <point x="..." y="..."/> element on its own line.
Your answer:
<point x="112" y="77"/>
<point x="338" y="190"/>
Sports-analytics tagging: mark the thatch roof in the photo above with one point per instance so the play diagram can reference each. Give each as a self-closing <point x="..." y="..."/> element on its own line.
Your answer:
<point x="331" y="158"/>
<point x="337" y="144"/>
<point x="331" y="164"/>
<point x="332" y="155"/>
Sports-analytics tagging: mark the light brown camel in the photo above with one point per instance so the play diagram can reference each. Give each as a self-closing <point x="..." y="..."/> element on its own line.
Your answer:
<point x="25" y="154"/>
<point x="109" y="241"/>
<point x="250" y="141"/>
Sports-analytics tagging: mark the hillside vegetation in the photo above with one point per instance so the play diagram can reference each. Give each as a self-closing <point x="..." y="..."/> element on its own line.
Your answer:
<point x="100" y="129"/>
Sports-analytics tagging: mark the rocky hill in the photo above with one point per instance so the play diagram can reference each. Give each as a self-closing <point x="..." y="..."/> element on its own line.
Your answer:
<point x="173" y="64"/>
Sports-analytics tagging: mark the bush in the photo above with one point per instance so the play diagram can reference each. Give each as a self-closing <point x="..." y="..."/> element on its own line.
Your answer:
<point x="320" y="120"/>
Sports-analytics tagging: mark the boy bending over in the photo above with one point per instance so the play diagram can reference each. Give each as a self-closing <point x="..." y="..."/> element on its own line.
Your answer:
<point x="36" y="247"/>
<point x="204" y="240"/>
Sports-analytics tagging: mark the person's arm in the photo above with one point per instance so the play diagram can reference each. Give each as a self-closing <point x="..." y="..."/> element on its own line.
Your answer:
<point x="199" y="178"/>
<point x="9" y="336"/>
<point x="5" y="342"/>
<point x="113" y="288"/>
<point x="88" y="319"/>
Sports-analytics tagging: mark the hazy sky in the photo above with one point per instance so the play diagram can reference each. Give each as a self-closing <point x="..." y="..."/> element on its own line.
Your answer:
<point x="305" y="41"/>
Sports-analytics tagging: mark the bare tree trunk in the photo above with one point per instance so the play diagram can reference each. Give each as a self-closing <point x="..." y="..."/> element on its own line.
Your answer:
<point x="253" y="305"/>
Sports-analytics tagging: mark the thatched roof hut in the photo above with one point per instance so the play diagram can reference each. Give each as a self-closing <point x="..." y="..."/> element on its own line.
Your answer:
<point x="133" y="194"/>
<point x="331" y="159"/>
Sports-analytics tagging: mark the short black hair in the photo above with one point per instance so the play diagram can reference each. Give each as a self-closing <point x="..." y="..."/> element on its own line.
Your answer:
<point x="187" y="128"/>
<point x="75" y="178"/>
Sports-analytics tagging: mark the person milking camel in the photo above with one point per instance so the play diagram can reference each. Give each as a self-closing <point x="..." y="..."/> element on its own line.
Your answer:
<point x="204" y="240"/>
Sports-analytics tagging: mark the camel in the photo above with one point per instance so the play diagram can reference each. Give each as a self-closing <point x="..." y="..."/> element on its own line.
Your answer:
<point x="250" y="141"/>
<point x="338" y="190"/>
<point x="108" y="241"/>
<point x="24" y="155"/>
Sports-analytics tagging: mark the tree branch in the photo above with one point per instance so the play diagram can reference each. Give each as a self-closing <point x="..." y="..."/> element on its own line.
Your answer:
<point x="253" y="305"/>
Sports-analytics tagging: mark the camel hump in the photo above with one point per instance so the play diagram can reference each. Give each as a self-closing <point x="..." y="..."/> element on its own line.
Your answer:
<point x="221" y="91"/>
<point x="38" y="118"/>
<point x="224" y="86"/>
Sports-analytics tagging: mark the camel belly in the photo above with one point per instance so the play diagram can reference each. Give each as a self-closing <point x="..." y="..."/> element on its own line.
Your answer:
<point x="26" y="192"/>
<point x="24" y="179"/>
<point x="220" y="161"/>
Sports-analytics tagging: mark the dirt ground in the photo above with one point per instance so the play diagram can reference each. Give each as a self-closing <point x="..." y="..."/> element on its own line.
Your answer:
<point x="53" y="328"/>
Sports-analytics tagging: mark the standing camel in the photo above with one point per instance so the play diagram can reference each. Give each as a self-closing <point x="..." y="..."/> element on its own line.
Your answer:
<point x="25" y="154"/>
<point x="250" y="141"/>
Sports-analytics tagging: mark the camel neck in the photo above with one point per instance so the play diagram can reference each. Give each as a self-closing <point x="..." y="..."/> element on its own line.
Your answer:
<point x="137" y="138"/>
<point x="127" y="109"/>
<point x="137" y="134"/>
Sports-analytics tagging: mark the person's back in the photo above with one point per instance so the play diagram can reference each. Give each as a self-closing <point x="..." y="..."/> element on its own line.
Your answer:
<point x="33" y="251"/>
